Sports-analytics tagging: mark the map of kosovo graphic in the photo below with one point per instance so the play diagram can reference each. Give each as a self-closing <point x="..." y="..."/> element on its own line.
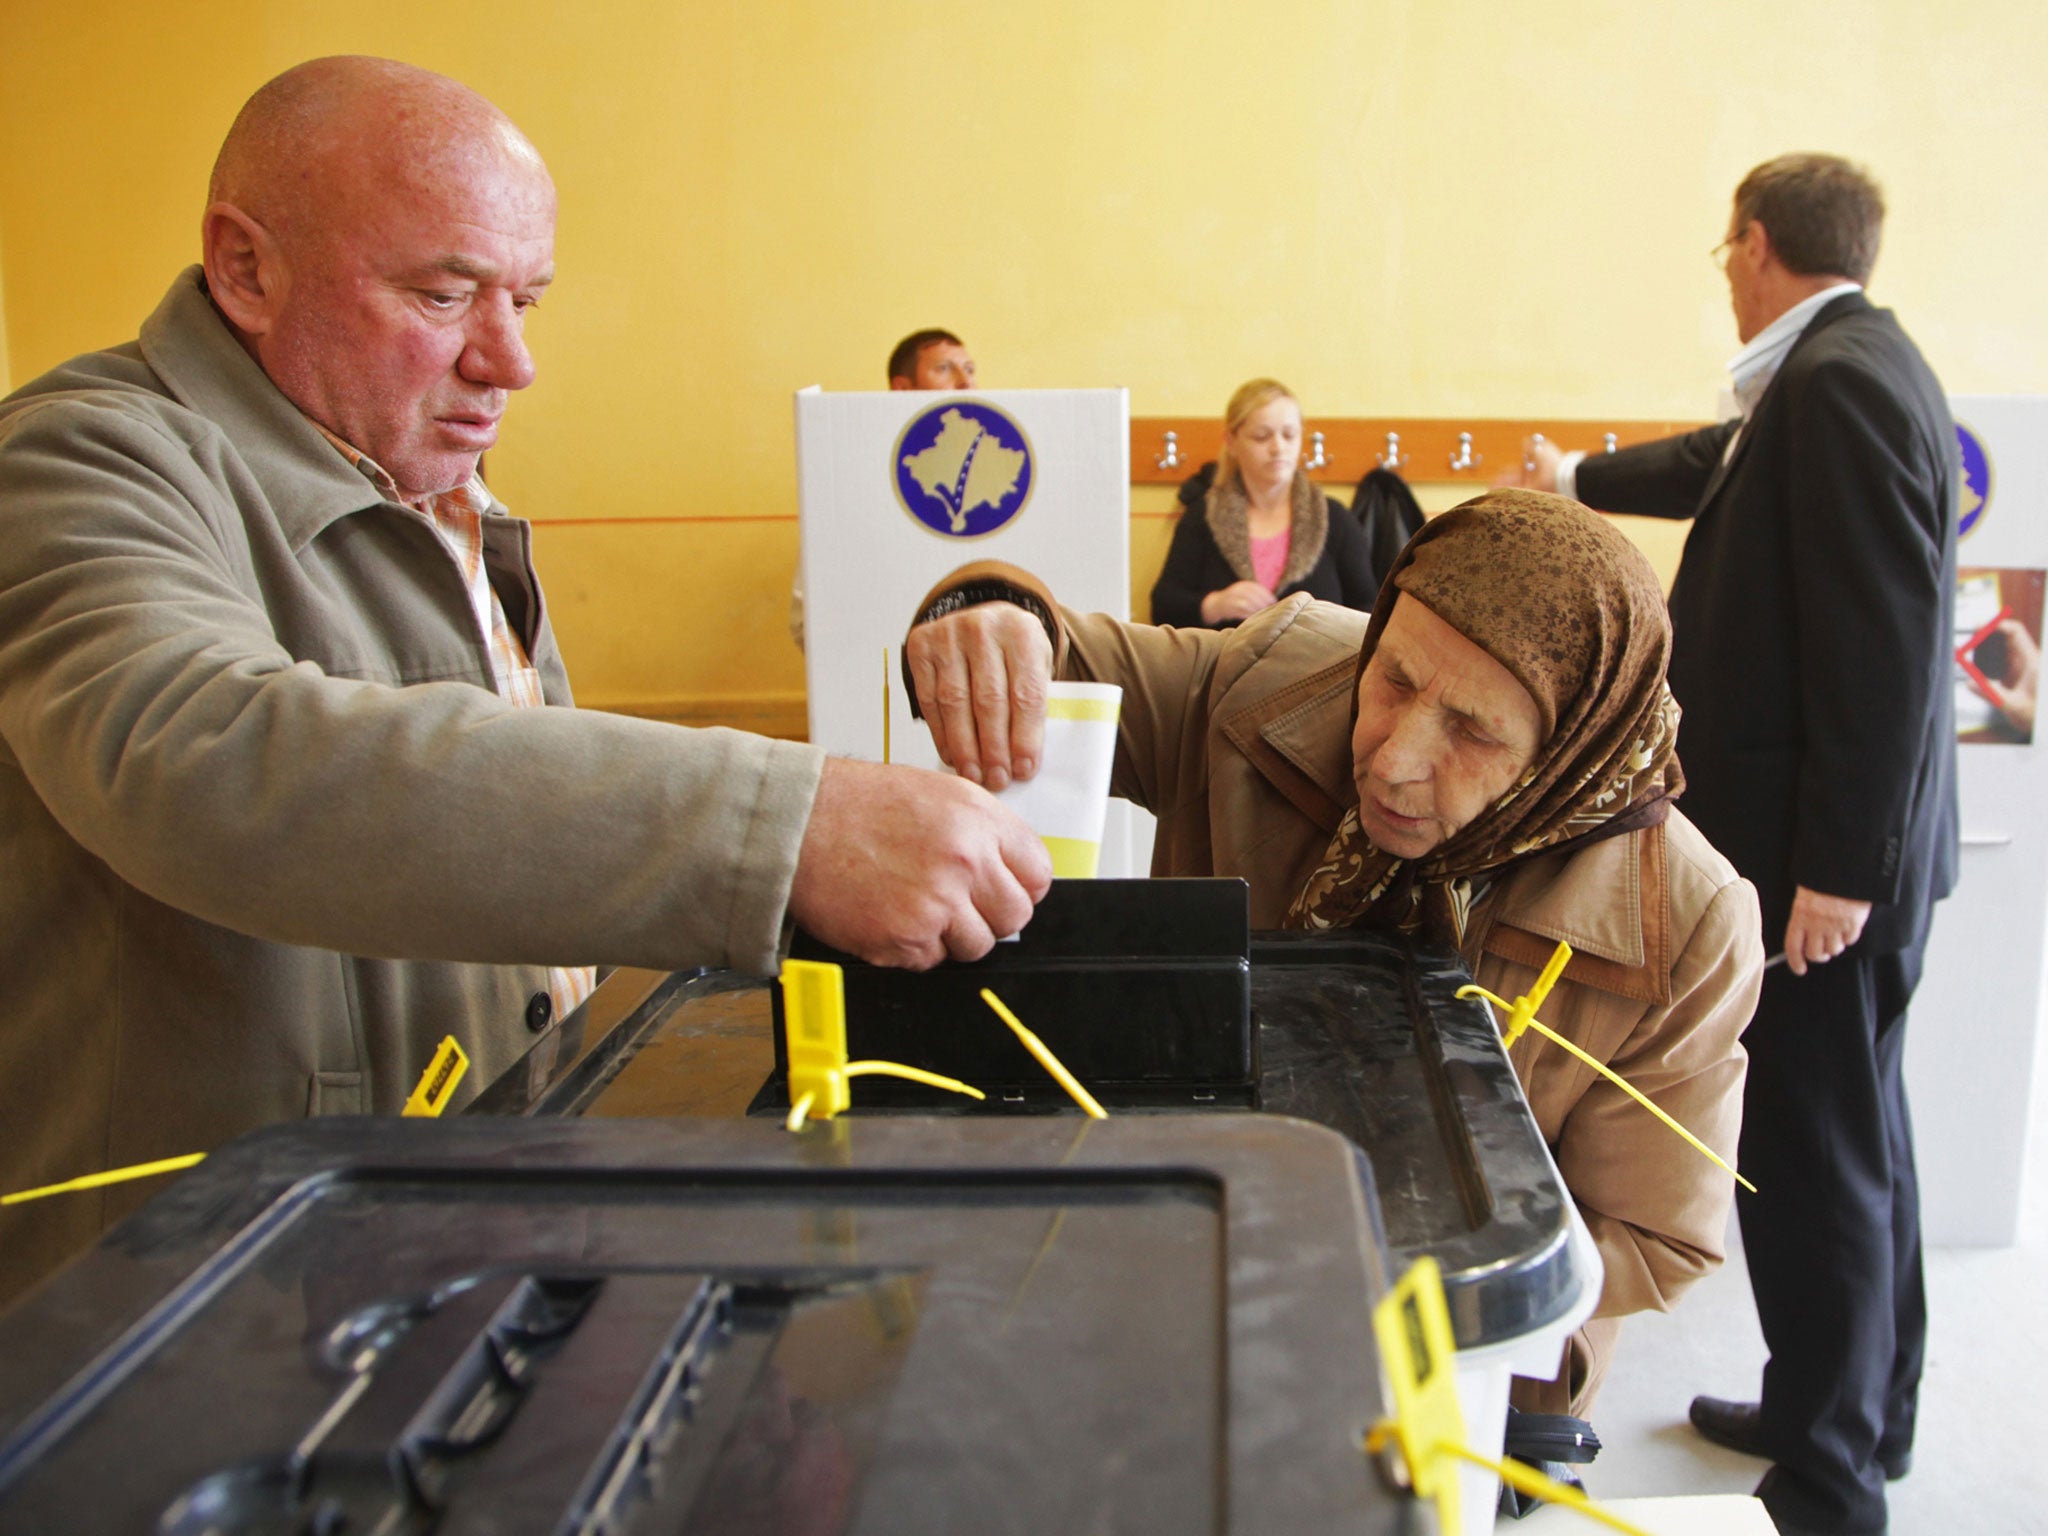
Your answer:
<point x="965" y="468"/>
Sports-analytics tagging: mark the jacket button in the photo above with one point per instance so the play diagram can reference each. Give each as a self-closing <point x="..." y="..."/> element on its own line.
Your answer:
<point x="540" y="1008"/>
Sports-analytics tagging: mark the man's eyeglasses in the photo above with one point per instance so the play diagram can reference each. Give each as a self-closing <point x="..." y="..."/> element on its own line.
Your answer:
<point x="1719" y="254"/>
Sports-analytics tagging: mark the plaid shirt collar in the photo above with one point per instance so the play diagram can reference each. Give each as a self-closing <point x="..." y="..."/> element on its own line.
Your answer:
<point x="472" y="498"/>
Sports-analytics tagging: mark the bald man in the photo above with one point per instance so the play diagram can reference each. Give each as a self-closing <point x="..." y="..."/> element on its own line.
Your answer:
<point x="290" y="781"/>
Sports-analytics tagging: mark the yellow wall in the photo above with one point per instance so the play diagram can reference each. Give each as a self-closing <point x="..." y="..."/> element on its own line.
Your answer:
<point x="1414" y="207"/>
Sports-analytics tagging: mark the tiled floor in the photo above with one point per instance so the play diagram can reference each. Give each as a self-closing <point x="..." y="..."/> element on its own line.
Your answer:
<point x="1981" y="1464"/>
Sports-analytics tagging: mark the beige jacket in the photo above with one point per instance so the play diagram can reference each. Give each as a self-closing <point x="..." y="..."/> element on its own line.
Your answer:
<point x="267" y="832"/>
<point x="1239" y="742"/>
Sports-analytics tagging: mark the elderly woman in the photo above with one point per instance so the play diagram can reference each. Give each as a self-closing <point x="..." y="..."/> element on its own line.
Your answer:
<point x="1255" y="530"/>
<point x="1487" y="762"/>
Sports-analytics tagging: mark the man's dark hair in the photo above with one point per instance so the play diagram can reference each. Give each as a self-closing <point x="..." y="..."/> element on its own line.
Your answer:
<point x="1823" y="214"/>
<point x="903" y="361"/>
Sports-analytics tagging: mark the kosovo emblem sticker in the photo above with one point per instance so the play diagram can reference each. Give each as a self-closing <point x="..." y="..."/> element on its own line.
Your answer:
<point x="1976" y="493"/>
<point x="963" y="468"/>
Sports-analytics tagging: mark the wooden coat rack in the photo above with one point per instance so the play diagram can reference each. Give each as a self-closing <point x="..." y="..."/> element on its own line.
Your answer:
<point x="1165" y="450"/>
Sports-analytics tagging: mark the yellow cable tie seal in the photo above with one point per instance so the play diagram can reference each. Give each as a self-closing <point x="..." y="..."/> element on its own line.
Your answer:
<point x="814" y="1033"/>
<point x="443" y="1075"/>
<point x="1412" y="1324"/>
<point x="1521" y="1015"/>
<point x="111" y="1176"/>
<point x="1046" y="1059"/>
<point x="438" y="1083"/>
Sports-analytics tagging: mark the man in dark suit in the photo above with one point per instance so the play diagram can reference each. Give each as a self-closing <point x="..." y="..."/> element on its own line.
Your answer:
<point x="1812" y="617"/>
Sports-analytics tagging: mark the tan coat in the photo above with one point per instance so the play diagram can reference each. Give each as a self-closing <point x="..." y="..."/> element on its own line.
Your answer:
<point x="267" y="832"/>
<point x="1239" y="742"/>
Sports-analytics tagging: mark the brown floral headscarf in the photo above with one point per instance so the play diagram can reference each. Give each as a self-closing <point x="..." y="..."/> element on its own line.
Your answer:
<point x="1570" y="607"/>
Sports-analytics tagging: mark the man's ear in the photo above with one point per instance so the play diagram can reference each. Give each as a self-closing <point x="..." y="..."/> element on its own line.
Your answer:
<point x="244" y="269"/>
<point x="897" y="381"/>
<point x="1758" y="239"/>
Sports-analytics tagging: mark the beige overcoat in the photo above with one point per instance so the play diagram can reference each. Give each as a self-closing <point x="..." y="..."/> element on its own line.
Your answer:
<point x="1239" y="742"/>
<point x="267" y="831"/>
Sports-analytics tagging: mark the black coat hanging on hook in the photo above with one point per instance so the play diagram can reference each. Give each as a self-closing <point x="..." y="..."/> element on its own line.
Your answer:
<point x="1390" y="515"/>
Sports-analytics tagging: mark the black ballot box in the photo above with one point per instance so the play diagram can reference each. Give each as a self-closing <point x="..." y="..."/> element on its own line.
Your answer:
<point x="597" y="1325"/>
<point x="1158" y="995"/>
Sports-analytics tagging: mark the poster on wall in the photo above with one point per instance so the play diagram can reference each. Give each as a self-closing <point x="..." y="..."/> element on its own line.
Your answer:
<point x="1998" y="654"/>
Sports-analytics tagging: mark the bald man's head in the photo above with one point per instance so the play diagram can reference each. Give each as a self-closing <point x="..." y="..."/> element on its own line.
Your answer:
<point x="326" y="131"/>
<point x="374" y="235"/>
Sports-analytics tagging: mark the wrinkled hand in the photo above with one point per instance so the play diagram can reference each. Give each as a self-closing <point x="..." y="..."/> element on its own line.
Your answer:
<point x="981" y="677"/>
<point x="2015" y="693"/>
<point x="1239" y="600"/>
<point x="1821" y="928"/>
<point x="1544" y="456"/>
<point x="904" y="866"/>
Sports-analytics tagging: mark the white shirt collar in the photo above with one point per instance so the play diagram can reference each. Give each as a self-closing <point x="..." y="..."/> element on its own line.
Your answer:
<point x="1757" y="364"/>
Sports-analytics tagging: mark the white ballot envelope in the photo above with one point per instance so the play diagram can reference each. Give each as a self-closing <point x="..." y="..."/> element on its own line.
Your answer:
<point x="1066" y="800"/>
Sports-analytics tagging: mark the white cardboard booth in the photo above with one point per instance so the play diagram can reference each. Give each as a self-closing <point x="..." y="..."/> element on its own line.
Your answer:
<point x="897" y="488"/>
<point x="1973" y="1032"/>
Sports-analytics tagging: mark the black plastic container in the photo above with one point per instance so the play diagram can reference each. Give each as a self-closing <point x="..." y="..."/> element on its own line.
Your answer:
<point x="1159" y="1323"/>
<point x="1142" y="988"/>
<point x="1361" y="1032"/>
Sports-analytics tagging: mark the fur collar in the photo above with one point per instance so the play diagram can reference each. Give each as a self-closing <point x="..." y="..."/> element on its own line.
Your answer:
<point x="1229" y="526"/>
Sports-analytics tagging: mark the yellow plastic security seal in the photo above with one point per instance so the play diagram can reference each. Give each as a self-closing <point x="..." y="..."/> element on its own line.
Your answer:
<point x="438" y="1083"/>
<point x="1413" y="1327"/>
<point x="1521" y="1015"/>
<point x="111" y="1176"/>
<point x="1046" y="1059"/>
<point x="814" y="1033"/>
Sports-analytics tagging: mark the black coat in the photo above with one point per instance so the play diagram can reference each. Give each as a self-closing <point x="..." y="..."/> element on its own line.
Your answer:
<point x="1811" y="623"/>
<point x="1195" y="567"/>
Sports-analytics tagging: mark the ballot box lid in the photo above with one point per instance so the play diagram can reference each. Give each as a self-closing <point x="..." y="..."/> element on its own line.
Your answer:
<point x="1358" y="1030"/>
<point x="1029" y="1324"/>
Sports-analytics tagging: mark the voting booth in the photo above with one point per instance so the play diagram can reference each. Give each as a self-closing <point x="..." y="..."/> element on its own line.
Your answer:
<point x="1972" y="1054"/>
<point x="899" y="487"/>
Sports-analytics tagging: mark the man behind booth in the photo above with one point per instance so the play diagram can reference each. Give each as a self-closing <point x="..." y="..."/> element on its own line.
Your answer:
<point x="281" y="801"/>
<point x="1811" y="619"/>
<point x="931" y="359"/>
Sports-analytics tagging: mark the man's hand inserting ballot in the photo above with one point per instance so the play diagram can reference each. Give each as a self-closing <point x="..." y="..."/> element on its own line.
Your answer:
<point x="903" y="866"/>
<point x="981" y="677"/>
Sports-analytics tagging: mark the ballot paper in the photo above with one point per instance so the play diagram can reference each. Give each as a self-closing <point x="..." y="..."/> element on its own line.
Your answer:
<point x="1066" y="800"/>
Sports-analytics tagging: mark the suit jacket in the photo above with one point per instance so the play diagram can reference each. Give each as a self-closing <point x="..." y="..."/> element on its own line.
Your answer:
<point x="1811" y="622"/>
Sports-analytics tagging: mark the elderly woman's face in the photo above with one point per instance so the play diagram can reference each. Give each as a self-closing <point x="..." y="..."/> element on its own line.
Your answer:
<point x="1443" y="731"/>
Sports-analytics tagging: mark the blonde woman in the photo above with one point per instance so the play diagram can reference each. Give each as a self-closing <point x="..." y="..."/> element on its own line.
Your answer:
<point x="1254" y="530"/>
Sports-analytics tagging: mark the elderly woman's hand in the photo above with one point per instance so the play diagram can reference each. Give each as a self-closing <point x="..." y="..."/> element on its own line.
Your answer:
<point x="981" y="677"/>
<point x="1240" y="600"/>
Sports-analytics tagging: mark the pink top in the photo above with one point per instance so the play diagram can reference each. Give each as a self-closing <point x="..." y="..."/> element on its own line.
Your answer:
<point x="1269" y="559"/>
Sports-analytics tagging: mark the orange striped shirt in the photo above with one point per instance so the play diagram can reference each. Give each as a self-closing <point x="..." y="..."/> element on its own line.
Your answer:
<point x="457" y="518"/>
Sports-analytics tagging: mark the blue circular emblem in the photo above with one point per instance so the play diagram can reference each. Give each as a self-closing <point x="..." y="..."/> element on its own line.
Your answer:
<point x="1976" y="464"/>
<point x="963" y="468"/>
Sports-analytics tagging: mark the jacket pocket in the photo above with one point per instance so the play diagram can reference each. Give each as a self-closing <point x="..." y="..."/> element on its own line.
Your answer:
<point x="335" y="1093"/>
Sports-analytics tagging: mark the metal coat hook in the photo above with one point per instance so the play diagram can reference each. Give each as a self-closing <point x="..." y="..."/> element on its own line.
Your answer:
<point x="1529" y="455"/>
<point x="1316" y="459"/>
<point x="1465" y="458"/>
<point x="1609" y="442"/>
<point x="1393" y="458"/>
<point x="1171" y="458"/>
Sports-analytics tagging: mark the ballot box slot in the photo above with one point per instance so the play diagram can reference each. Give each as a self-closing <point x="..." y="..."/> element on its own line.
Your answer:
<point x="593" y="1404"/>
